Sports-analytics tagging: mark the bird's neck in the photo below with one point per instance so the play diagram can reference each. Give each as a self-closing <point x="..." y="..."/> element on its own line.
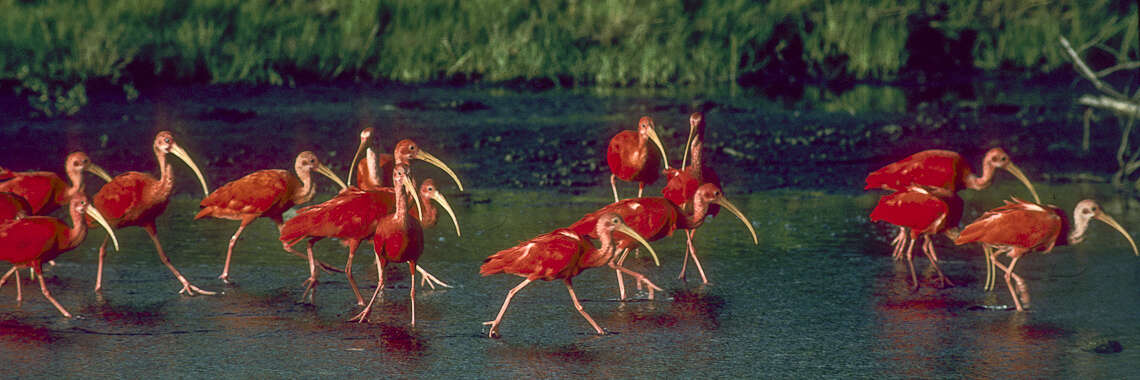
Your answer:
<point x="979" y="183"/>
<point x="696" y="218"/>
<point x="165" y="176"/>
<point x="430" y="213"/>
<point x="78" y="230"/>
<point x="605" y="252"/>
<point x="401" y="201"/>
<point x="1080" y="227"/>
<point x="695" y="155"/>
<point x="307" y="189"/>
<point x="76" y="178"/>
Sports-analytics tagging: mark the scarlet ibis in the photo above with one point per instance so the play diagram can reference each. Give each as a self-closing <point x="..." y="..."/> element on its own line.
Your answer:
<point x="365" y="139"/>
<point x="631" y="159"/>
<point x="1020" y="227"/>
<point x="45" y="191"/>
<point x="406" y="151"/>
<point x="264" y="193"/>
<point x="656" y="217"/>
<point x="137" y="199"/>
<point x="560" y="254"/>
<point x="34" y="240"/>
<point x="397" y="238"/>
<point x="352" y="217"/>
<point x="681" y="184"/>
<point x="925" y="211"/>
<point x="13" y="206"/>
<point x="944" y="169"/>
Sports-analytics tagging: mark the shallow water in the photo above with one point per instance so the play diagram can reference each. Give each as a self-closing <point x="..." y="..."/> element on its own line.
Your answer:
<point x="819" y="296"/>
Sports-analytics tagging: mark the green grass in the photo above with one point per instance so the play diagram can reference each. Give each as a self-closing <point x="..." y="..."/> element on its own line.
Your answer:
<point x="52" y="50"/>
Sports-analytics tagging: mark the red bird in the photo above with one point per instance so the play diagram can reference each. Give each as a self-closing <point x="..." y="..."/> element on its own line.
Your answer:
<point x="926" y="211"/>
<point x="560" y="254"/>
<point x="680" y="185"/>
<point x="397" y="238"/>
<point x="406" y="151"/>
<point x="656" y="218"/>
<point x="1020" y="227"/>
<point x="45" y="191"/>
<point x="13" y="206"/>
<point x="264" y="193"/>
<point x="137" y="199"/>
<point x="352" y="217"/>
<point x="944" y="169"/>
<point x="34" y="240"/>
<point x="631" y="159"/>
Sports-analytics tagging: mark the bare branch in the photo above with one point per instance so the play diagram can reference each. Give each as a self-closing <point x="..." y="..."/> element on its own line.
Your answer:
<point x="1118" y="67"/>
<point x="1115" y="105"/>
<point x="1088" y="73"/>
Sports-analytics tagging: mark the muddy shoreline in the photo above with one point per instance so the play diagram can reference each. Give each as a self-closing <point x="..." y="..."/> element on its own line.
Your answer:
<point x="556" y="139"/>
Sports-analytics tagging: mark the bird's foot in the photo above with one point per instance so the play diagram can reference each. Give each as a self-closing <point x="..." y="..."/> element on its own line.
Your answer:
<point x="191" y="290"/>
<point x="945" y="282"/>
<point x="431" y="280"/>
<point x="225" y="278"/>
<point x="310" y="292"/>
<point x="361" y="317"/>
<point x="493" y="333"/>
<point x="329" y="268"/>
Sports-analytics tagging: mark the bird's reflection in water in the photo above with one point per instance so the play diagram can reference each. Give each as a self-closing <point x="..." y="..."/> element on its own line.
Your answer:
<point x="529" y="360"/>
<point x="681" y="307"/>
<point x="123" y="314"/>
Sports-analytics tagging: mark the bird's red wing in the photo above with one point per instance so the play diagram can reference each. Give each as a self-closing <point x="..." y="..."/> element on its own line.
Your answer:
<point x="351" y="214"/>
<point x="115" y="199"/>
<point x="680" y="187"/>
<point x="939" y="168"/>
<point x="33" y="237"/>
<point x="40" y="189"/>
<point x="399" y="242"/>
<point x="12" y="206"/>
<point x="911" y="209"/>
<point x="548" y="256"/>
<point x="653" y="218"/>
<point x="621" y="146"/>
<point x="1024" y="225"/>
<point x="256" y="193"/>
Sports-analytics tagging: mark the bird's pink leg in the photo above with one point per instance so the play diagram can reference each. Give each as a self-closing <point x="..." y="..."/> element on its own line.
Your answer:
<point x="494" y="333"/>
<point x="19" y="291"/>
<point x="187" y="288"/>
<point x="47" y="295"/>
<point x="1008" y="274"/>
<point x="910" y="262"/>
<point x="685" y="257"/>
<point x="638" y="276"/>
<point x="573" y="297"/>
<point x="412" y="285"/>
<point x="620" y="279"/>
<point x="640" y="189"/>
<point x="928" y="248"/>
<point x="225" y="276"/>
<point x="363" y="315"/>
<point x="312" y="282"/>
<point x="613" y="185"/>
<point x="429" y="278"/>
<point x="352" y="246"/>
<point x="99" y="271"/>
<point x="693" y="252"/>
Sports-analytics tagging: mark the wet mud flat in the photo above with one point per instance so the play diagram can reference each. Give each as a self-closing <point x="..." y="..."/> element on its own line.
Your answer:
<point x="557" y="139"/>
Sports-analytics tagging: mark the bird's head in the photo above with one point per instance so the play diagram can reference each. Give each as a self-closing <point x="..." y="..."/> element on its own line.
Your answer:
<point x="710" y="193"/>
<point x="1085" y="212"/>
<point x="164" y="144"/>
<point x="609" y="223"/>
<point x="647" y="130"/>
<point x="307" y="162"/>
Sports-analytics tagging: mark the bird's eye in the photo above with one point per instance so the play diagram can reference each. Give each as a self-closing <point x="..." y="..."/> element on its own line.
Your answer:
<point x="166" y="140"/>
<point x="431" y="188"/>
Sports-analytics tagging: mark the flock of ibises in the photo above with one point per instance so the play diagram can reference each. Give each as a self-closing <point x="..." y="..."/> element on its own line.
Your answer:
<point x="386" y="207"/>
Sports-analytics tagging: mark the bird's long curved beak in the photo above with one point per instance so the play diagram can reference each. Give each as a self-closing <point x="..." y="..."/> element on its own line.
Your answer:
<point x="688" y="142"/>
<point x="182" y="155"/>
<point x="329" y="173"/>
<point x="356" y="156"/>
<point x="98" y="171"/>
<point x="625" y="229"/>
<point x="723" y="202"/>
<point x="98" y="217"/>
<point x="446" y="206"/>
<point x="427" y="157"/>
<point x="1112" y="222"/>
<point x="1013" y="169"/>
<point x="660" y="146"/>
<point x="411" y="189"/>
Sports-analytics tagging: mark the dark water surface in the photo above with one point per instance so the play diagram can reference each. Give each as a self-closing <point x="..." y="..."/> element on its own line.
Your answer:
<point x="819" y="296"/>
